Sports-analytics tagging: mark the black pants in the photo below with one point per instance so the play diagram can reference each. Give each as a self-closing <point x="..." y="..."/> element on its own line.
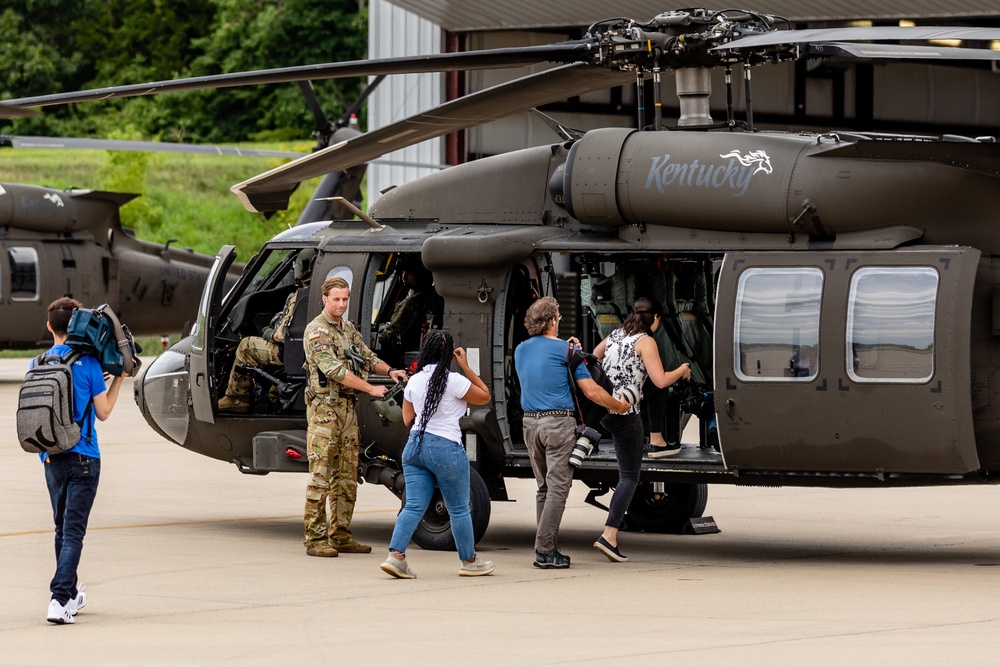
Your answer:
<point x="663" y="412"/>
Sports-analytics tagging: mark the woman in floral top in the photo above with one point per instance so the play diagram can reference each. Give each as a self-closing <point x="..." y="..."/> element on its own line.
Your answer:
<point x="629" y="355"/>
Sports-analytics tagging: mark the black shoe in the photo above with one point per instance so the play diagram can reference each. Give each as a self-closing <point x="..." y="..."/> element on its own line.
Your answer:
<point x="657" y="452"/>
<point x="611" y="552"/>
<point x="554" y="560"/>
<point x="713" y="439"/>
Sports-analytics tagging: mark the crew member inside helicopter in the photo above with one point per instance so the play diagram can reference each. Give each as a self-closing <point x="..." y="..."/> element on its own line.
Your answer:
<point x="409" y="320"/>
<point x="266" y="349"/>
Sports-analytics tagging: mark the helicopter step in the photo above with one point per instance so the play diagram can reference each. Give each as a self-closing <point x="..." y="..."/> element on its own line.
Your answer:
<point x="692" y="458"/>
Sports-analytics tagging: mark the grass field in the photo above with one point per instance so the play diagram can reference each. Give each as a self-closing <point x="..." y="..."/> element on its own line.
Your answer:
<point x="184" y="197"/>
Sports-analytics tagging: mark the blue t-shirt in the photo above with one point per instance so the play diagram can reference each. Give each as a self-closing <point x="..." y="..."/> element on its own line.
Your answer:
<point x="88" y="381"/>
<point x="541" y="365"/>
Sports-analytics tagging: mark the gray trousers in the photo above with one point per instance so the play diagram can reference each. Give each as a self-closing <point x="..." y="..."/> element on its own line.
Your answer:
<point x="550" y="441"/>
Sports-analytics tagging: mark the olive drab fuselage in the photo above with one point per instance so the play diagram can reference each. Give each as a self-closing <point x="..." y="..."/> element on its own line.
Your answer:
<point x="819" y="376"/>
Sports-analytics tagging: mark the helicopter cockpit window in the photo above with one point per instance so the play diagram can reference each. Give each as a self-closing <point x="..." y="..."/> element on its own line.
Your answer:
<point x="777" y="324"/>
<point x="890" y="324"/>
<point x="273" y="279"/>
<point x="23" y="274"/>
<point x="274" y="271"/>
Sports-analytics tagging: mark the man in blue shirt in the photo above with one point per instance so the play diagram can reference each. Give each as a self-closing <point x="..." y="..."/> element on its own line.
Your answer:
<point x="72" y="476"/>
<point x="549" y="422"/>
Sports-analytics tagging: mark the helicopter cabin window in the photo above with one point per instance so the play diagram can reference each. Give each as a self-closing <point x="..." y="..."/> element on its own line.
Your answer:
<point x="777" y="324"/>
<point x="23" y="274"/>
<point x="890" y="324"/>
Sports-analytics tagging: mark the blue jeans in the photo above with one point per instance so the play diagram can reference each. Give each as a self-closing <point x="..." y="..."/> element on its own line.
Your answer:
<point x="72" y="480"/>
<point x="436" y="462"/>
<point x="627" y="434"/>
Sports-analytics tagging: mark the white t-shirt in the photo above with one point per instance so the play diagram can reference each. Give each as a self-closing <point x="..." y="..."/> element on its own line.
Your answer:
<point x="444" y="421"/>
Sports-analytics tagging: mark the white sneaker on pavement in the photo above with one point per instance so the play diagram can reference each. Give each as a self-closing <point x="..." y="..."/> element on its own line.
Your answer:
<point x="58" y="613"/>
<point x="79" y="602"/>
<point x="476" y="568"/>
<point x="397" y="568"/>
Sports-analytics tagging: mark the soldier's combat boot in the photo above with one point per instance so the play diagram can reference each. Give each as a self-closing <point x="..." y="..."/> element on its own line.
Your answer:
<point x="321" y="550"/>
<point x="229" y="404"/>
<point x="352" y="547"/>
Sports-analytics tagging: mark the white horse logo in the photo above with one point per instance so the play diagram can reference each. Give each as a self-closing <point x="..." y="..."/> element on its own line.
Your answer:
<point x="759" y="157"/>
<point x="54" y="198"/>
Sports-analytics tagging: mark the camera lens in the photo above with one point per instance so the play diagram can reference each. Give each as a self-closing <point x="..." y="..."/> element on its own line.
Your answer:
<point x="581" y="450"/>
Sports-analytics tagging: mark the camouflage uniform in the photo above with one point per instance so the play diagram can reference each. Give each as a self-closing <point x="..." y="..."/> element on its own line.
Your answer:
<point x="405" y="316"/>
<point x="332" y="438"/>
<point x="260" y="352"/>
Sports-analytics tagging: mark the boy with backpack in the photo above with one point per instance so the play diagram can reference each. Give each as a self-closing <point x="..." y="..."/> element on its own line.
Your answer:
<point x="73" y="474"/>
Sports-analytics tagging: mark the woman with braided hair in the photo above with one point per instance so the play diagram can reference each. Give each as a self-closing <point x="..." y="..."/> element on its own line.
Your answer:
<point x="433" y="402"/>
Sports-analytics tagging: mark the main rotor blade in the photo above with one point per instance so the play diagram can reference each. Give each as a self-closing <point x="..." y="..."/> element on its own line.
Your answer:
<point x="271" y="190"/>
<point x="143" y="146"/>
<point x="563" y="52"/>
<point x="8" y="111"/>
<point x="874" y="34"/>
<point x="900" y="51"/>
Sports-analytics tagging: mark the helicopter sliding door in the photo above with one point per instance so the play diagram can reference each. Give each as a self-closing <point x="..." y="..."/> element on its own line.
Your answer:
<point x="200" y="369"/>
<point x="846" y="361"/>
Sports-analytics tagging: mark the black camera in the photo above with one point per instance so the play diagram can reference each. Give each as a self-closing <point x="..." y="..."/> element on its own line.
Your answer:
<point x="696" y="399"/>
<point x="586" y="439"/>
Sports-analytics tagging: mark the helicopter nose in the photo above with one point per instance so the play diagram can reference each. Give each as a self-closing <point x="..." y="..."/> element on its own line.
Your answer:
<point x="161" y="394"/>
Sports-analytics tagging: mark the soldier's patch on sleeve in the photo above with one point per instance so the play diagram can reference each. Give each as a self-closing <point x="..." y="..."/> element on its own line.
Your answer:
<point x="313" y="335"/>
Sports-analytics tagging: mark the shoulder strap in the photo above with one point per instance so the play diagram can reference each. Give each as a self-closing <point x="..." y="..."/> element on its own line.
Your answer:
<point x="572" y="382"/>
<point x="120" y="336"/>
<point x="69" y="360"/>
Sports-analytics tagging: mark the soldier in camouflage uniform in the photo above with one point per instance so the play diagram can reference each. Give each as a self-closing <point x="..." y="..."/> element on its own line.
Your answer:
<point x="261" y="351"/>
<point x="256" y="351"/>
<point x="338" y="362"/>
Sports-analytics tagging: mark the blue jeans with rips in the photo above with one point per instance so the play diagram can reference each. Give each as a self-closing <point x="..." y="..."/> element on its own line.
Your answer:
<point x="72" y="480"/>
<point x="442" y="463"/>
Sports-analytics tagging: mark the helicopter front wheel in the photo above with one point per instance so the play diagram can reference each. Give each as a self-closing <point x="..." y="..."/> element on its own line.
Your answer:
<point x="434" y="530"/>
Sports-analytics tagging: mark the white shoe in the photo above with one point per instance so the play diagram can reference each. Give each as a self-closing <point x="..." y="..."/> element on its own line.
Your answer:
<point x="79" y="602"/>
<point x="58" y="613"/>
<point x="476" y="568"/>
<point x="397" y="568"/>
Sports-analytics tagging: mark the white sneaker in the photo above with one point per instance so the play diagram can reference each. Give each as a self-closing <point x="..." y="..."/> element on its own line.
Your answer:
<point x="397" y="568"/>
<point x="79" y="602"/>
<point x="58" y="613"/>
<point x="476" y="568"/>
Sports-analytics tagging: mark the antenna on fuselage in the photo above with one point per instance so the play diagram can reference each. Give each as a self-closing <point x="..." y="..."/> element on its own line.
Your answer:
<point x="372" y="222"/>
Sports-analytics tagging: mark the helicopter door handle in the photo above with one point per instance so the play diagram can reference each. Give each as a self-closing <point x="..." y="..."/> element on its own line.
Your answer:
<point x="730" y="404"/>
<point x="484" y="292"/>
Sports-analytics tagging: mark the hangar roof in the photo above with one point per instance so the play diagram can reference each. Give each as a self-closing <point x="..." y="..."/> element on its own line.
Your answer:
<point x="480" y="15"/>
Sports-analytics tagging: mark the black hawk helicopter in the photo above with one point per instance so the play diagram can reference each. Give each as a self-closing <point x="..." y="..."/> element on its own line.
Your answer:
<point x="845" y="283"/>
<point x="72" y="243"/>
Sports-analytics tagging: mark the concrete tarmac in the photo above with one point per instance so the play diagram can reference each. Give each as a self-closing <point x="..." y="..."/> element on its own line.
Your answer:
<point x="189" y="562"/>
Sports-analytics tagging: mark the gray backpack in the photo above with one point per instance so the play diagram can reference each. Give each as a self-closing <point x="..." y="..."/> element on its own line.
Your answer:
<point x="45" y="405"/>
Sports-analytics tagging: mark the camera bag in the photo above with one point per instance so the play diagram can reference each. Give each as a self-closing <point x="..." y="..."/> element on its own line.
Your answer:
<point x="98" y="332"/>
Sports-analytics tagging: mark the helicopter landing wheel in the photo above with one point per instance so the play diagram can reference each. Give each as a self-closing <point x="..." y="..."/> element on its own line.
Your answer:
<point x="665" y="512"/>
<point x="434" y="530"/>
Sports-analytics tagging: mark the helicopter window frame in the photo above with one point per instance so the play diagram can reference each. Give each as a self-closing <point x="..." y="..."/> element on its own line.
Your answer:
<point x="23" y="271"/>
<point x="807" y="301"/>
<point x="886" y="309"/>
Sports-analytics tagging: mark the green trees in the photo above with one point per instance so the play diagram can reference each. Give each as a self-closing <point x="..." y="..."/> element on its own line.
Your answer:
<point x="50" y="46"/>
